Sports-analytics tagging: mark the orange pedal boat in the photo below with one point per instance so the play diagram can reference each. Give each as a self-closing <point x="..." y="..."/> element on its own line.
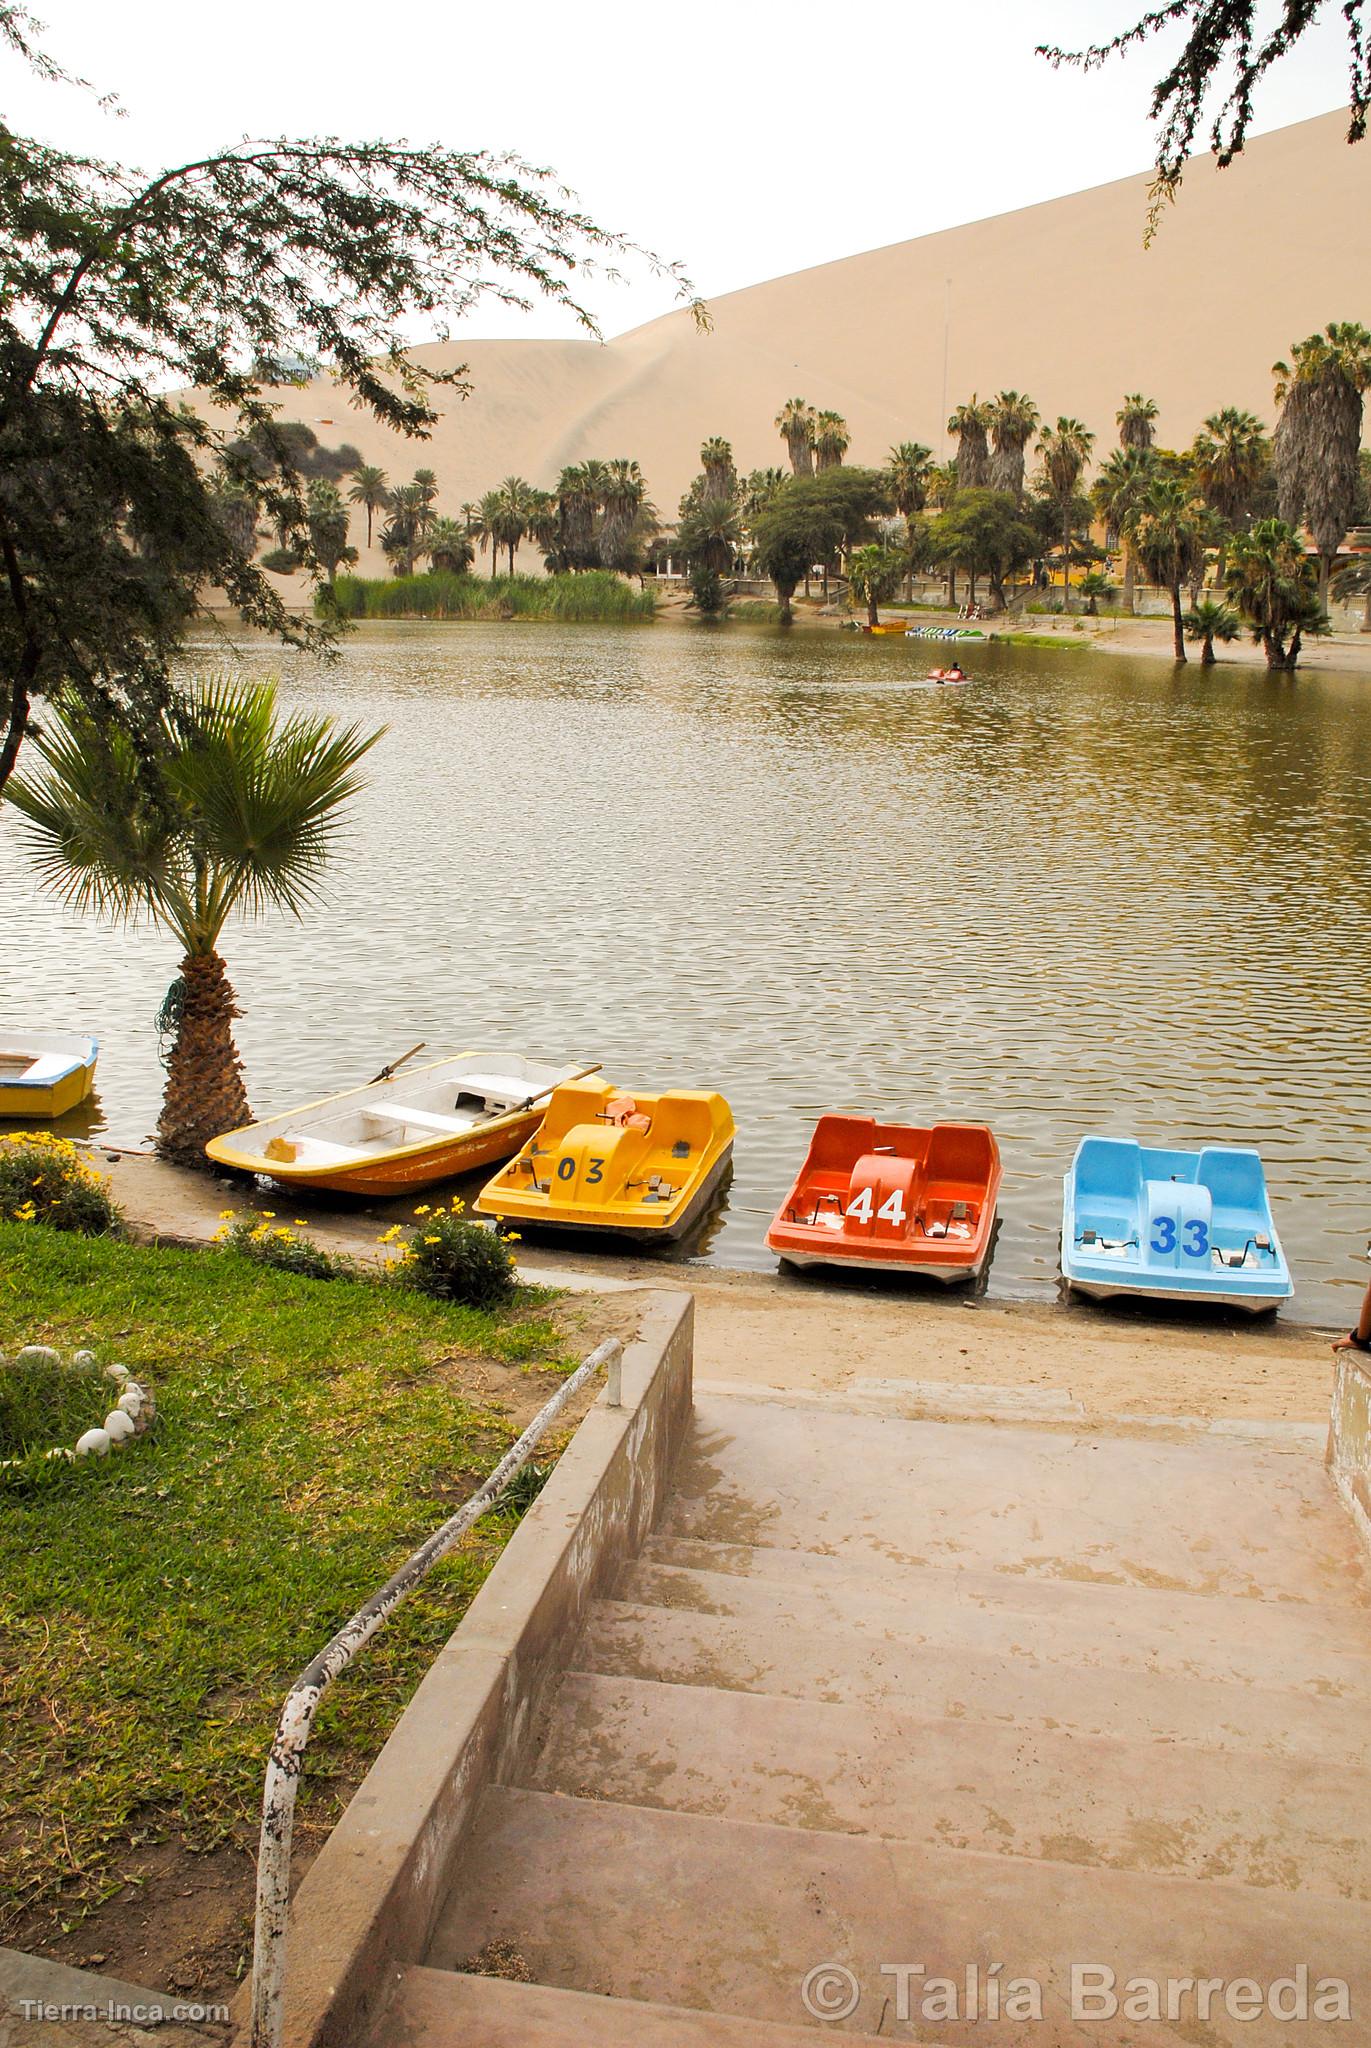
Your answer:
<point x="891" y="1198"/>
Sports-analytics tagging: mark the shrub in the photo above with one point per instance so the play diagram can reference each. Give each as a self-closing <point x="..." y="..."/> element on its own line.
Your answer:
<point x="449" y="1256"/>
<point x="44" y="1179"/>
<point x="706" y="589"/>
<point x="596" y="594"/>
<point x="269" y="1243"/>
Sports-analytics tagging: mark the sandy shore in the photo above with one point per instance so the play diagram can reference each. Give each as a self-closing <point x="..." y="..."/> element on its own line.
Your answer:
<point x="915" y="1354"/>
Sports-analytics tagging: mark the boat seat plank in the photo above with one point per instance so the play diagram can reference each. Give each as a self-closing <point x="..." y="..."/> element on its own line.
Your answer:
<point x="418" y="1119"/>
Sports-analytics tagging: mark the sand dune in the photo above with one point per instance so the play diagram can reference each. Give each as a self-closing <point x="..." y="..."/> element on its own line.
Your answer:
<point x="1060" y="300"/>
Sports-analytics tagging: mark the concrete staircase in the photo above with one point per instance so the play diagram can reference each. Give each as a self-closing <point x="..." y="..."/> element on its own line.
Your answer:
<point x="941" y="1695"/>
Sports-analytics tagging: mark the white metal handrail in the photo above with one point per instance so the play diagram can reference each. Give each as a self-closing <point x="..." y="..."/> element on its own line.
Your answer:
<point x="286" y="1763"/>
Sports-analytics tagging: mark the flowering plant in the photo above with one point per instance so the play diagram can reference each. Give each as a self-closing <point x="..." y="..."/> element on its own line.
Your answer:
<point x="258" y="1236"/>
<point x="448" y="1255"/>
<point x="44" y="1179"/>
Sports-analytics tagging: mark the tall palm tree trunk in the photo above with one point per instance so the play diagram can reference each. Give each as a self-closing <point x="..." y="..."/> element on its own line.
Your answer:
<point x="1177" y="628"/>
<point x="205" y="1094"/>
<point x="1129" y="580"/>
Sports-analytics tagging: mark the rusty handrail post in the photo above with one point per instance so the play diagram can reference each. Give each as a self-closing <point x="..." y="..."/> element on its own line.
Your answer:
<point x="286" y="1763"/>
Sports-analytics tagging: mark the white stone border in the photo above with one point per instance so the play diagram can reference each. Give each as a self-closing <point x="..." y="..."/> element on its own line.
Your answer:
<point x="133" y="1410"/>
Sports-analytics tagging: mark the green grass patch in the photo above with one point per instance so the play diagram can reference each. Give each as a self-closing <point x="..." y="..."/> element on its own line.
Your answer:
<point x="1036" y="640"/>
<point x="595" y="595"/>
<point x="155" y="1605"/>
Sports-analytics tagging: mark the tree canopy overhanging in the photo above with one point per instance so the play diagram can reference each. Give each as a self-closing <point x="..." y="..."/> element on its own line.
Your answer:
<point x="1225" y="40"/>
<point x="119" y="503"/>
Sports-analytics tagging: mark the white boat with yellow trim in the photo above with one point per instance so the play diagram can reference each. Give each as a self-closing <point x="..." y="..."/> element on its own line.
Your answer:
<point x="404" y="1131"/>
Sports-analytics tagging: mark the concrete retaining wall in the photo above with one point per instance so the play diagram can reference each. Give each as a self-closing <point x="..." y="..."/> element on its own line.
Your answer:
<point x="1349" y="1436"/>
<point x="370" y="1898"/>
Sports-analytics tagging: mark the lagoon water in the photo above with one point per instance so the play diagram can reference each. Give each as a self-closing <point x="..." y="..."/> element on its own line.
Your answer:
<point x="1085" y="893"/>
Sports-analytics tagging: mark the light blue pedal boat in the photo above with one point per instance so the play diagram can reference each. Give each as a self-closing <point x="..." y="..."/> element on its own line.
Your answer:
<point x="1178" y="1226"/>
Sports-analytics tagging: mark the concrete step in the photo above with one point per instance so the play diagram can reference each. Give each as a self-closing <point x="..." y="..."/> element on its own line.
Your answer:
<point x="1089" y="1800"/>
<point x="440" y="2009"/>
<point x="1317" y="1649"/>
<point x="780" y="1649"/>
<point x="731" y="1916"/>
<point x="1207" y="1517"/>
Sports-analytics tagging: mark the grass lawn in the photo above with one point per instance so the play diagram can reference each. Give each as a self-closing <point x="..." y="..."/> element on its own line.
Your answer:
<point x="155" y="1605"/>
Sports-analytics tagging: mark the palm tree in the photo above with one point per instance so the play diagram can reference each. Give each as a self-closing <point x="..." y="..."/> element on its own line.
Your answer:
<point x="716" y="461"/>
<point x="795" y="425"/>
<point x="1355" y="581"/>
<point x="1169" y="535"/>
<point x="970" y="425"/>
<point x="328" y="526"/>
<point x="1118" y="492"/>
<point x="1013" y="423"/>
<point x="1318" y="435"/>
<point x="1209" y="621"/>
<point x="1271" y="581"/>
<point x="907" y="471"/>
<point x="1135" y="419"/>
<point x="709" y="534"/>
<point x="488" y="528"/>
<point x="759" y="489"/>
<point x="511" y="515"/>
<point x="940" y="485"/>
<point x="1065" y="451"/>
<point x="448" y="546"/>
<point x="1093" y="586"/>
<point x="874" y="573"/>
<point x="426" y="484"/>
<point x="370" y="488"/>
<point x="831" y="440"/>
<point x="625" y="494"/>
<point x="579" y="493"/>
<point x="1228" y="460"/>
<point x="237" y="510"/>
<point x="542" y="519"/>
<point x="242" y="818"/>
<point x="402" y="538"/>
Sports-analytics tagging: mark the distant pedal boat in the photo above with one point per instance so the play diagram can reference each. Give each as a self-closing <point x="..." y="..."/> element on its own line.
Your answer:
<point x="892" y="1198"/>
<point x="1176" y="1226"/>
<point x="640" y="1166"/>
<point x="44" y="1073"/>
<point x="395" y="1136"/>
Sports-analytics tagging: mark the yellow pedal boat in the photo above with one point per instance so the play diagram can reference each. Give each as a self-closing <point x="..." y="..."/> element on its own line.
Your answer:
<point x="44" y="1073"/>
<point x="640" y="1166"/>
<point x="403" y="1132"/>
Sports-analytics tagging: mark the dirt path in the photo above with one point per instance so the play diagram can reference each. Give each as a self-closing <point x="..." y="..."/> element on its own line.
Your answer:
<point x="828" y="1335"/>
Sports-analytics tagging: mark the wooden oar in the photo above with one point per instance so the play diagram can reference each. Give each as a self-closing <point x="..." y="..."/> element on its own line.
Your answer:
<point x="386" y="1072"/>
<point x="529" y="1100"/>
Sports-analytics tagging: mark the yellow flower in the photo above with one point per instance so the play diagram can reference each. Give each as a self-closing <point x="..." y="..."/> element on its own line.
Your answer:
<point x="424" y="1210"/>
<point x="432" y="1240"/>
<point x="298" y="1221"/>
<point x="513" y="1237"/>
<point x="225" y="1214"/>
<point x="270" y="1215"/>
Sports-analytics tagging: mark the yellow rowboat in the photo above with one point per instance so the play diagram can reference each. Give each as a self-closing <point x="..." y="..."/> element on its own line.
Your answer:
<point x="44" y="1073"/>
<point x="641" y="1166"/>
<point x="403" y="1132"/>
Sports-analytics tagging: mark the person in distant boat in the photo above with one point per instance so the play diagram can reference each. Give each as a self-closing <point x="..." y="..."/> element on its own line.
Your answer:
<point x="1358" y="1338"/>
<point x="955" y="674"/>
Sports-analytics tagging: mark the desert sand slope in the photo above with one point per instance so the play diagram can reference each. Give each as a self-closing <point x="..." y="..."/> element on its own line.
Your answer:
<point x="1060" y="300"/>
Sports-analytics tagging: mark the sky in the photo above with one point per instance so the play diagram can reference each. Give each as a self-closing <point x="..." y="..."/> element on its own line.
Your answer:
<point x="742" y="140"/>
